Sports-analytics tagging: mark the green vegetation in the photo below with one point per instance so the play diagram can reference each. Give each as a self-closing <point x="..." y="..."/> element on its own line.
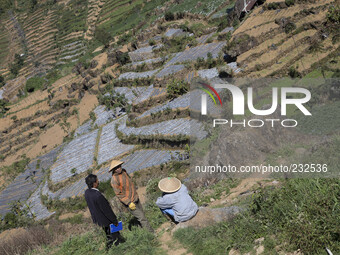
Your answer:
<point x="210" y="62"/>
<point x="177" y="44"/>
<point x="333" y="14"/>
<point x="2" y="81"/>
<point x="76" y="219"/>
<point x="103" y="36"/>
<point x="203" y="7"/>
<point x="53" y="75"/>
<point x="325" y="119"/>
<point x="293" y="214"/>
<point x="202" y="196"/>
<point x="176" y="88"/>
<point x="273" y="6"/>
<point x="4" y="5"/>
<point x="72" y="19"/>
<point x="289" y="2"/>
<point x="34" y="84"/>
<point x="293" y="73"/>
<point x="3" y="107"/>
<point x="138" y="241"/>
<point x="118" y="17"/>
<point x="17" y="217"/>
<point x="17" y="64"/>
<point x="67" y="205"/>
<point x="290" y="27"/>
<point x="16" y="168"/>
<point x="114" y="100"/>
<point x="169" y="16"/>
<point x="106" y="189"/>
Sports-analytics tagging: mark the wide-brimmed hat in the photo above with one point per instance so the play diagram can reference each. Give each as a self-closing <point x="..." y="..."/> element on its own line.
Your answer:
<point x="114" y="164"/>
<point x="169" y="184"/>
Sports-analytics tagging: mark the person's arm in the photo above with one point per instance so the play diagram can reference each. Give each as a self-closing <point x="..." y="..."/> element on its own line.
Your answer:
<point x="105" y="207"/>
<point x="164" y="202"/>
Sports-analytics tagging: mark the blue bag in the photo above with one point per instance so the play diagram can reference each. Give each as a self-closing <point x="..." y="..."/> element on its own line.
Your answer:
<point x="114" y="228"/>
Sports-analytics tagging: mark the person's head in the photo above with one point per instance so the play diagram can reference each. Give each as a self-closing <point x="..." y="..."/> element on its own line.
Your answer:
<point x="169" y="184"/>
<point x="92" y="181"/>
<point x="116" y="167"/>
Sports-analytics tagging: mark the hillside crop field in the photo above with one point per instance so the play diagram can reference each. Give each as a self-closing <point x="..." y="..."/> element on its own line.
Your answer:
<point x="83" y="83"/>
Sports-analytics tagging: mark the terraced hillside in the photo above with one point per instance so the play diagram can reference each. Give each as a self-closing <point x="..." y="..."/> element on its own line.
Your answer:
<point x="284" y="38"/>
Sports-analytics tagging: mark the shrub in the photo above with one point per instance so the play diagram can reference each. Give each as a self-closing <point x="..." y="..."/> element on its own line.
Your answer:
<point x="17" y="64"/>
<point x="176" y="88"/>
<point x="17" y="217"/>
<point x="123" y="58"/>
<point x="290" y="2"/>
<point x="2" y="81"/>
<point x="34" y="84"/>
<point x="273" y="6"/>
<point x="114" y="100"/>
<point x="333" y="14"/>
<point x="290" y="27"/>
<point x="293" y="73"/>
<point x="152" y="42"/>
<point x="3" y="107"/>
<point x="169" y="16"/>
<point x="106" y="189"/>
<point x="124" y="38"/>
<point x="68" y="205"/>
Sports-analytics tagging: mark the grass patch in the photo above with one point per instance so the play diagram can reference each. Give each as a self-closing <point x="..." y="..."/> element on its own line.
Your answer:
<point x="11" y="171"/>
<point x="138" y="241"/>
<point x="325" y="119"/>
<point x="34" y="84"/>
<point x="201" y="197"/>
<point x="204" y="7"/>
<point x="297" y="220"/>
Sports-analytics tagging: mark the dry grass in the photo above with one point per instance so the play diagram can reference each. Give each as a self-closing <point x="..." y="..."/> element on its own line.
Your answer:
<point x="24" y="240"/>
<point x="285" y="47"/>
<point x="311" y="58"/>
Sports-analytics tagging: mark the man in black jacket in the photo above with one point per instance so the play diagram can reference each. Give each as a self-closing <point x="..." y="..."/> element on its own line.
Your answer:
<point x="101" y="211"/>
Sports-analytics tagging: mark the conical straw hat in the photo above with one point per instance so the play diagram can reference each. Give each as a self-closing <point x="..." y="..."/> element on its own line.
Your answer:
<point x="169" y="184"/>
<point x="115" y="163"/>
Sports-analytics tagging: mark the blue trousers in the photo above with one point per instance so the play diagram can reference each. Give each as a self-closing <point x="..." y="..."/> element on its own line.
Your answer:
<point x="168" y="211"/>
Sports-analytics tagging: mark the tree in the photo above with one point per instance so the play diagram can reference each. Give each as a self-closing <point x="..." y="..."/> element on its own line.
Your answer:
<point x="17" y="64"/>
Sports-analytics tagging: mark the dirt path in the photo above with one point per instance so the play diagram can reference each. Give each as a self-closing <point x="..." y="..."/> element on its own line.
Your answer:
<point x="168" y="243"/>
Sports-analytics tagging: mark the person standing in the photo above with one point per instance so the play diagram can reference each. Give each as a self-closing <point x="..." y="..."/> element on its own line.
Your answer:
<point x="101" y="211"/>
<point x="126" y="192"/>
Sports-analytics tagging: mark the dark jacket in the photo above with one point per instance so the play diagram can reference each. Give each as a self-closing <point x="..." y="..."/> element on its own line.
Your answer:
<point x="100" y="208"/>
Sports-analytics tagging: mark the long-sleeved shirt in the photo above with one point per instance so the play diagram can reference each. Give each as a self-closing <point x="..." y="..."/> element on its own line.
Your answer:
<point x="124" y="188"/>
<point x="100" y="208"/>
<point x="180" y="202"/>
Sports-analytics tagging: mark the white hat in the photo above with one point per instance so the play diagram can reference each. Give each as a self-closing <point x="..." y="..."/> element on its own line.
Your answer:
<point x="169" y="184"/>
<point x="114" y="164"/>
